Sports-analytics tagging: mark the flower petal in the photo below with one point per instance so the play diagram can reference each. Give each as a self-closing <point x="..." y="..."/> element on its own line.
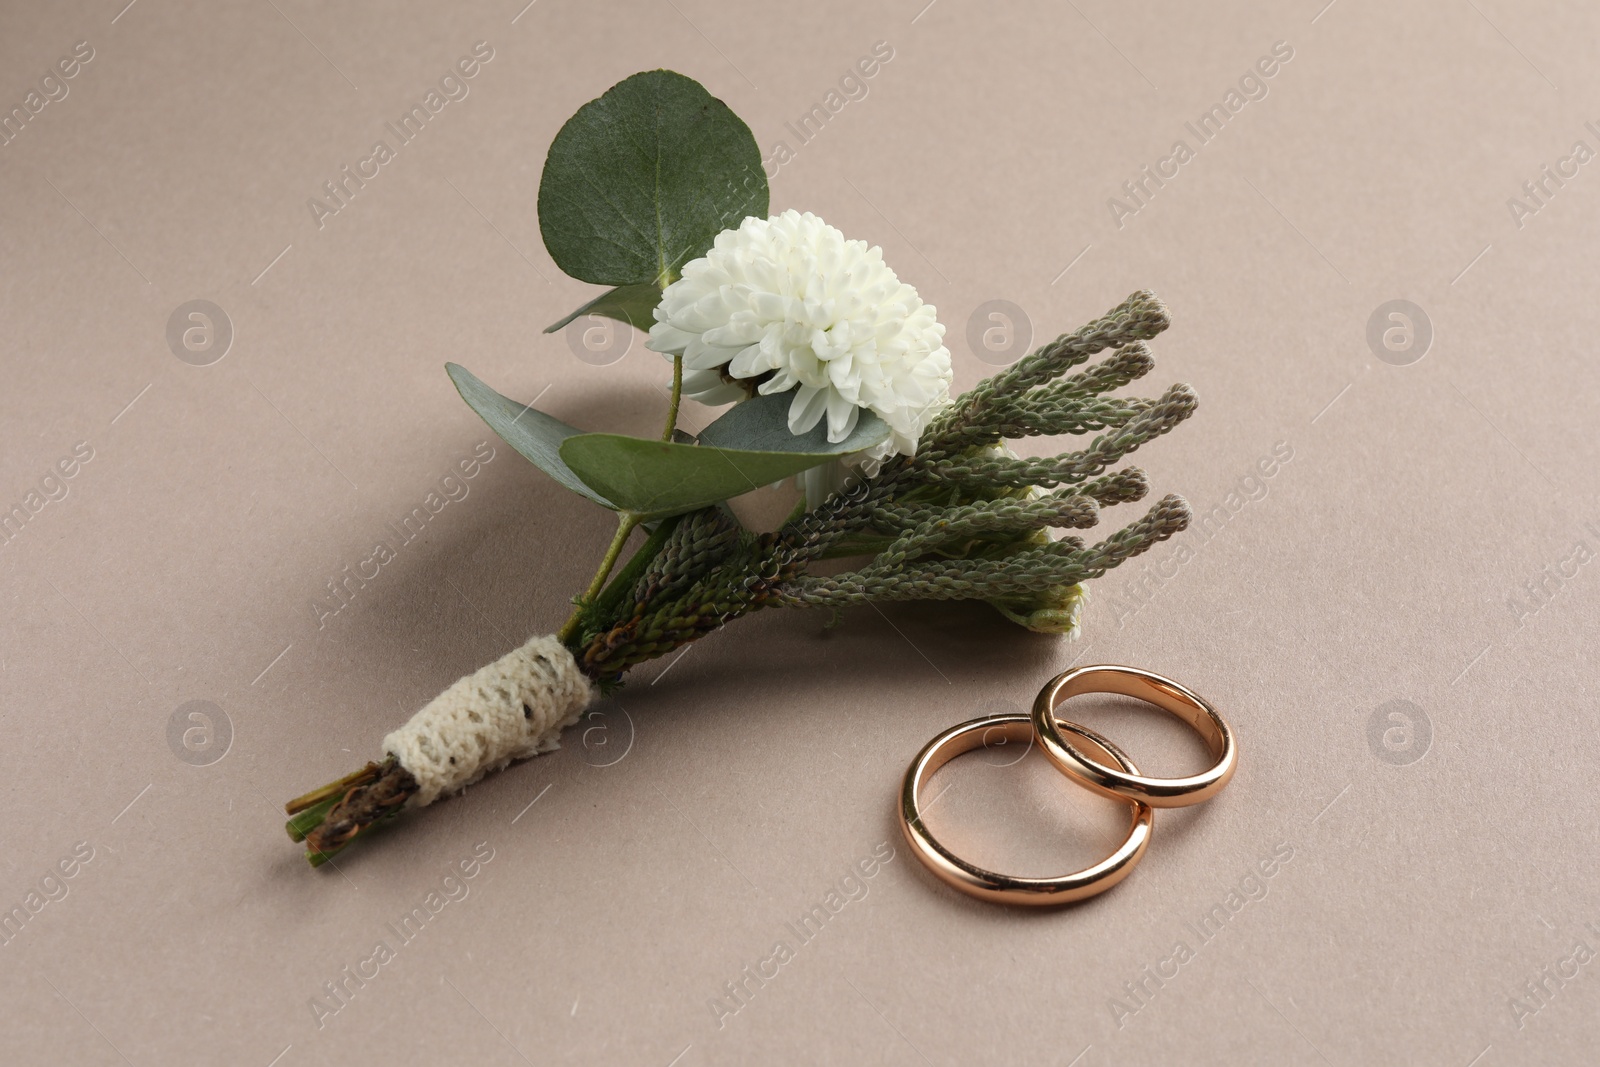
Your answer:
<point x="807" y="408"/>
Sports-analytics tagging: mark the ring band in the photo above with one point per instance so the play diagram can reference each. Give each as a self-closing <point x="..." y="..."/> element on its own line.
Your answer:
<point x="1127" y="783"/>
<point x="987" y="885"/>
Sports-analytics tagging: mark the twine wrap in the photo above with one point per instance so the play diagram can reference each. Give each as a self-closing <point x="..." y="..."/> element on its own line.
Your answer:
<point x="513" y="708"/>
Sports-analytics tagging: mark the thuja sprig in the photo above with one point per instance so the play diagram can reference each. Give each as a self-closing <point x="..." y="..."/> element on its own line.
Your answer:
<point x="1016" y="575"/>
<point x="960" y="489"/>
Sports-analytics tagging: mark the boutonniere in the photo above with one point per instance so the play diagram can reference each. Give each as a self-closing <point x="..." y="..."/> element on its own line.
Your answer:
<point x="835" y="373"/>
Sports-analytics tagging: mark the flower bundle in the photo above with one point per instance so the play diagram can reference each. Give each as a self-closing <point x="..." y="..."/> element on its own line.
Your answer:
<point x="838" y="376"/>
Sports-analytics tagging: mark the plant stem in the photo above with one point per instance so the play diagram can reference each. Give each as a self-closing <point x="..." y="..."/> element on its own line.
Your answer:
<point x="357" y="812"/>
<point x="308" y="819"/>
<point x="677" y="394"/>
<point x="333" y="790"/>
<point x="316" y="857"/>
<point x="626" y="521"/>
<point x="625" y="576"/>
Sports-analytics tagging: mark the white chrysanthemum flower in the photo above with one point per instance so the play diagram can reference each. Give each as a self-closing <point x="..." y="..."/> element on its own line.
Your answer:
<point x="788" y="302"/>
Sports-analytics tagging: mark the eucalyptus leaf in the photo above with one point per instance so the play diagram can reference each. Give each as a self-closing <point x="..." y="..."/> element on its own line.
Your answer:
<point x="654" y="479"/>
<point x="641" y="180"/>
<point x="761" y="424"/>
<point x="630" y="304"/>
<point x="525" y="428"/>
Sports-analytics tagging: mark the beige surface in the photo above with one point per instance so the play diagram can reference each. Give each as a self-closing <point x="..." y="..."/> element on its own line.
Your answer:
<point x="1382" y="563"/>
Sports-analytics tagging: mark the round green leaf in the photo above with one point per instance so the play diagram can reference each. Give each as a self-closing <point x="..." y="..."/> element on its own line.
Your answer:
<point x="641" y="180"/>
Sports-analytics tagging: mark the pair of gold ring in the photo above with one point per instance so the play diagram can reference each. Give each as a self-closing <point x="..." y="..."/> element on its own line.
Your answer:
<point x="1088" y="759"/>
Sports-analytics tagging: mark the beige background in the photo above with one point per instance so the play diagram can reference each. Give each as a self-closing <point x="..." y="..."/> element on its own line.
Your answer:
<point x="1386" y="560"/>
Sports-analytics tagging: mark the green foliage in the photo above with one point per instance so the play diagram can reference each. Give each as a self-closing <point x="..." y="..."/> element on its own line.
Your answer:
<point x="762" y="424"/>
<point x="748" y="447"/>
<point x="525" y="428"/>
<point x="628" y="304"/>
<point x="654" y="479"/>
<point x="636" y="184"/>
<point x="641" y="180"/>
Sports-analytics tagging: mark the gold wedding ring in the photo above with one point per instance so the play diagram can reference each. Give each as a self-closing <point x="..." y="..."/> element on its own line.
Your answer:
<point x="1120" y="782"/>
<point x="987" y="885"/>
<point x="1089" y="760"/>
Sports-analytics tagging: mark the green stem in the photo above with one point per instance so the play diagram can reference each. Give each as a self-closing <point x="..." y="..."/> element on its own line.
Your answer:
<point x="626" y="521"/>
<point x="627" y="575"/>
<point x="317" y="858"/>
<point x="798" y="512"/>
<point x="677" y="394"/>
<point x="333" y="790"/>
<point x="307" y="819"/>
